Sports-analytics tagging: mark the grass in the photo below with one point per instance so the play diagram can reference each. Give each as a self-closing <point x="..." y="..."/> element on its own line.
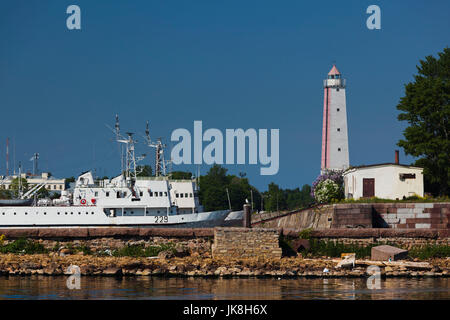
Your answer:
<point x="23" y="245"/>
<point x="139" y="250"/>
<point x="430" y="251"/>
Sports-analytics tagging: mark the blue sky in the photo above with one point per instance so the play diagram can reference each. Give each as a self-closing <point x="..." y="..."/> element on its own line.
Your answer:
<point x="231" y="64"/>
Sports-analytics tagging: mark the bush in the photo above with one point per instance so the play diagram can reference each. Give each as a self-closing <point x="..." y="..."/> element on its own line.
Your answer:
<point x="328" y="187"/>
<point x="139" y="250"/>
<point x="23" y="245"/>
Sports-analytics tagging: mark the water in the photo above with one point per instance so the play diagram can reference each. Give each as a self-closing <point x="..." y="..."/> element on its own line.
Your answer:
<point x="42" y="287"/>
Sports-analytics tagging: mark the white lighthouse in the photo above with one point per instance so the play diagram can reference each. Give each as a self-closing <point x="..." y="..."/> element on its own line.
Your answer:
<point x="334" y="131"/>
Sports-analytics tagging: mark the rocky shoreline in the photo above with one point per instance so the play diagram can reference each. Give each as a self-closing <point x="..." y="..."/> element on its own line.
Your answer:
<point x="205" y="266"/>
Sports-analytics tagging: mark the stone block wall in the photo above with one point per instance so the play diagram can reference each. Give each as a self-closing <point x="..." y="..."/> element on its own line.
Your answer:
<point x="246" y="243"/>
<point x="412" y="215"/>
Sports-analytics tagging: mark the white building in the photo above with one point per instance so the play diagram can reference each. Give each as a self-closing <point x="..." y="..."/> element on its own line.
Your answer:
<point x="50" y="183"/>
<point x="386" y="181"/>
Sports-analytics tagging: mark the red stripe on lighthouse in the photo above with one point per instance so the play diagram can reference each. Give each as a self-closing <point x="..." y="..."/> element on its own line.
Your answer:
<point x="324" y="162"/>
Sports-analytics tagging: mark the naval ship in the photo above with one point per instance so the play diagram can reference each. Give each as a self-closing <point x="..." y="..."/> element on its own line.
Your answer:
<point x="126" y="200"/>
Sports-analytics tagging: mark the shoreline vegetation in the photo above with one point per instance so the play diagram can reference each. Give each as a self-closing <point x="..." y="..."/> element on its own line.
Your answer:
<point x="30" y="257"/>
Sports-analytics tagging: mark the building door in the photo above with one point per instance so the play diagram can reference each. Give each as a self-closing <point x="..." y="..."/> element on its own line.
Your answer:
<point x="368" y="187"/>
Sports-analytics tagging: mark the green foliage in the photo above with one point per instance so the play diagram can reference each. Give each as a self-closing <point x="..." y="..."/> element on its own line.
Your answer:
<point x="14" y="187"/>
<point x="23" y="245"/>
<point x="287" y="199"/>
<point x="5" y="194"/>
<point x="213" y="194"/>
<point x="139" y="250"/>
<point x="328" y="191"/>
<point x="430" y="251"/>
<point x="181" y="175"/>
<point x="334" y="249"/>
<point x="305" y="233"/>
<point x="426" y="109"/>
<point x="144" y="171"/>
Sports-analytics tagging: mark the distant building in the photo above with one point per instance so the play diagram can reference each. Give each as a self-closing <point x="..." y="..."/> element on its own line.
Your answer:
<point x="335" y="154"/>
<point x="50" y="183"/>
<point x="385" y="180"/>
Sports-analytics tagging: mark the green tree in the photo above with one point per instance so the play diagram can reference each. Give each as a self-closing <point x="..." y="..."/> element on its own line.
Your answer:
<point x="426" y="108"/>
<point x="181" y="175"/>
<point x="144" y="171"/>
<point x="14" y="186"/>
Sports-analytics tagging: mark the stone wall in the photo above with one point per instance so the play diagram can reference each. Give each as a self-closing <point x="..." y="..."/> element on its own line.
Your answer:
<point x="412" y="215"/>
<point x="246" y="243"/>
<point x="396" y="215"/>
<point x="319" y="217"/>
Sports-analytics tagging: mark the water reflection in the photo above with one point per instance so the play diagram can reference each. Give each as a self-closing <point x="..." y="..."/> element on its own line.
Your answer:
<point x="42" y="287"/>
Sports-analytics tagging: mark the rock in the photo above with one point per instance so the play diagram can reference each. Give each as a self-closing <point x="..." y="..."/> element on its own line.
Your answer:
<point x="385" y="252"/>
<point x="112" y="271"/>
<point x="388" y="269"/>
<point x="167" y="254"/>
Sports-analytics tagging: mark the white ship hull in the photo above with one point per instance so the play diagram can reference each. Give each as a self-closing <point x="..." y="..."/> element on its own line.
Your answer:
<point x="92" y="216"/>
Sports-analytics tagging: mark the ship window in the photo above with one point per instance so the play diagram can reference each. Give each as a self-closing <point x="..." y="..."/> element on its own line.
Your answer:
<point x="14" y="213"/>
<point x="107" y="193"/>
<point x="118" y="194"/>
<point x="92" y="213"/>
<point x="3" y="213"/>
<point x="338" y="109"/>
<point x="141" y="193"/>
<point x="338" y="129"/>
<point x="190" y="195"/>
<point x="60" y="187"/>
<point x="177" y="195"/>
<point x="151" y="194"/>
<point x="124" y="194"/>
<point x="337" y="89"/>
<point x="131" y="212"/>
<point x="96" y="194"/>
<point x="65" y="212"/>
<point x="165" y="193"/>
<point x="79" y="212"/>
<point x="156" y="194"/>
<point x="58" y="213"/>
<point x="26" y="213"/>
<point x="339" y="149"/>
<point x="160" y="194"/>
<point x="181" y="195"/>
<point x="185" y="195"/>
<point x="71" y="213"/>
<point x="158" y="211"/>
<point x="45" y="213"/>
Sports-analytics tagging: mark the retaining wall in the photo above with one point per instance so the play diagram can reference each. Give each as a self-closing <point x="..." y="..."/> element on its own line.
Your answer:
<point x="246" y="243"/>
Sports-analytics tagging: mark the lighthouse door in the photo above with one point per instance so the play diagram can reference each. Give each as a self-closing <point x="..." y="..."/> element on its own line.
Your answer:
<point x="368" y="187"/>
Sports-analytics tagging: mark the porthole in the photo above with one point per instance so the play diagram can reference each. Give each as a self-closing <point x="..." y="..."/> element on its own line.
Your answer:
<point x="92" y="213"/>
<point x="45" y="213"/>
<point x="79" y="212"/>
<point x="71" y="213"/>
<point x="14" y="213"/>
<point x="65" y="212"/>
<point x="26" y="213"/>
<point x="58" y="213"/>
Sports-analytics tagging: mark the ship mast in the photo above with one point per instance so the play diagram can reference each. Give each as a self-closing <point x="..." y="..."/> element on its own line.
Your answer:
<point x="130" y="156"/>
<point x="160" y="162"/>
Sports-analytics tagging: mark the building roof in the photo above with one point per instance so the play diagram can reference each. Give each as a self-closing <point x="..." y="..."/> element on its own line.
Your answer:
<point x="333" y="71"/>
<point x="382" y="165"/>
